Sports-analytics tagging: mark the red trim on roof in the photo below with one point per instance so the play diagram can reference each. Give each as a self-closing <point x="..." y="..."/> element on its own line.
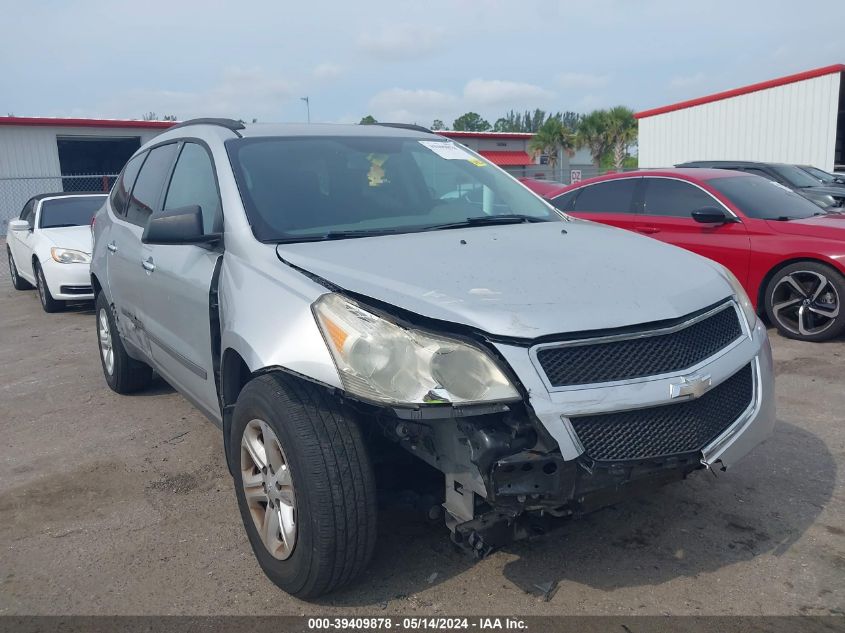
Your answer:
<point x="727" y="94"/>
<point x="59" y="122"/>
<point x="507" y="159"/>
<point x="461" y="134"/>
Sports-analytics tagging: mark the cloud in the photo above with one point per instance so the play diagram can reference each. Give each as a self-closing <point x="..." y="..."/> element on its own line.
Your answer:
<point x="581" y="80"/>
<point x="487" y="96"/>
<point x="497" y="92"/>
<point x="407" y="106"/>
<point x="686" y="81"/>
<point x="401" y="41"/>
<point x="327" y="71"/>
<point x="239" y="93"/>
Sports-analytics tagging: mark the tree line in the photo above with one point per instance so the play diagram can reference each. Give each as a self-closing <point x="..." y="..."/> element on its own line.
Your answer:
<point x="608" y="134"/>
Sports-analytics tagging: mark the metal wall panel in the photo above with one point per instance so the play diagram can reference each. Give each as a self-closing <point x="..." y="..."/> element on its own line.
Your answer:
<point x="793" y="123"/>
<point x="32" y="152"/>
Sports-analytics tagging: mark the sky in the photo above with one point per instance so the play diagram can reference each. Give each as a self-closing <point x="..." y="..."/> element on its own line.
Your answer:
<point x="396" y="60"/>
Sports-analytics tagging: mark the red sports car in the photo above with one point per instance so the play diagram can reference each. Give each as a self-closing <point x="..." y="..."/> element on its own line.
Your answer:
<point x="788" y="253"/>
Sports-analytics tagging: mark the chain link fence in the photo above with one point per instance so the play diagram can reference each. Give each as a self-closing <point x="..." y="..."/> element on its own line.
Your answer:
<point x="14" y="192"/>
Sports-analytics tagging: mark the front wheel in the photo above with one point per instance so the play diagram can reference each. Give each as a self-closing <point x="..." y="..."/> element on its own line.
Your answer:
<point x="18" y="282"/>
<point x="47" y="302"/>
<point x="803" y="300"/>
<point x="305" y="486"/>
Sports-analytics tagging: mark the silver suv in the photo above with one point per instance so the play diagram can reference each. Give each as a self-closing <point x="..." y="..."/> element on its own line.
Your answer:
<point x="329" y="295"/>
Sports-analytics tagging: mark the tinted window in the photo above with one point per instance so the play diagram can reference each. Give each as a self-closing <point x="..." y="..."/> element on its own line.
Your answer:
<point x="614" y="196"/>
<point x="795" y="176"/>
<point x="148" y="186"/>
<point x="193" y="183"/>
<point x="307" y="187"/>
<point x="76" y="211"/>
<point x="675" y="198"/>
<point x="564" y="201"/>
<point x="764" y="199"/>
<point x="120" y="192"/>
<point x="28" y="211"/>
<point x="758" y="172"/>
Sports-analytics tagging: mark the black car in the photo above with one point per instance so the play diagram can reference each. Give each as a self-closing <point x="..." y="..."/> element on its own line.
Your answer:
<point x="791" y="176"/>
<point x="824" y="177"/>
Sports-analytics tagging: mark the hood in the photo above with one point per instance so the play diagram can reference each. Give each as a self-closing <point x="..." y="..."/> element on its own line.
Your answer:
<point x="525" y="280"/>
<point x="822" y="226"/>
<point x="837" y="191"/>
<point x="77" y="238"/>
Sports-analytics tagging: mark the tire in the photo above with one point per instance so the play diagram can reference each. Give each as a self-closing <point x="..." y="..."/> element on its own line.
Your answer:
<point x="330" y="490"/>
<point x="47" y="302"/>
<point x="804" y="301"/>
<point x="123" y="373"/>
<point x="18" y="282"/>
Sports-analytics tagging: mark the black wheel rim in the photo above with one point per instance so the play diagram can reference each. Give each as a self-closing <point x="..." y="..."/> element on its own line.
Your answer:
<point x="39" y="283"/>
<point x="12" y="269"/>
<point x="805" y="303"/>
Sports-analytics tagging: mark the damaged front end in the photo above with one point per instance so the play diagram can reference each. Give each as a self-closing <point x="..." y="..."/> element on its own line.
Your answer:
<point x="505" y="477"/>
<point x="527" y="433"/>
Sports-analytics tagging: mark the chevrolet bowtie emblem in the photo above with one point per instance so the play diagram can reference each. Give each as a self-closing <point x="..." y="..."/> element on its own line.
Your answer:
<point x="690" y="387"/>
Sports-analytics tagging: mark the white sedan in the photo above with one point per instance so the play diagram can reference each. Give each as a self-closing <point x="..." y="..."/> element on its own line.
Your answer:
<point x="49" y="247"/>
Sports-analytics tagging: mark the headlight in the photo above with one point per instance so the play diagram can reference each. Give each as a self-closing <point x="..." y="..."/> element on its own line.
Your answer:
<point x="379" y="360"/>
<point x="742" y="299"/>
<point x="68" y="256"/>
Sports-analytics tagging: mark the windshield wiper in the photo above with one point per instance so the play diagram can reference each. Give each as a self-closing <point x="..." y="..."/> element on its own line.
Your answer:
<point x="333" y="235"/>
<point x="59" y="226"/>
<point x="487" y="220"/>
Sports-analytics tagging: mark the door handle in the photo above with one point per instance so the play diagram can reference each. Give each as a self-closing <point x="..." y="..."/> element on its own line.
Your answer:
<point x="148" y="265"/>
<point x="647" y="230"/>
<point x="112" y="247"/>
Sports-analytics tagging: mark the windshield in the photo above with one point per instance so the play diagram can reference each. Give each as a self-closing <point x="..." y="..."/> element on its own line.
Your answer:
<point x="763" y="199"/>
<point x="75" y="211"/>
<point x="312" y="187"/>
<point x="795" y="176"/>
<point x="823" y="176"/>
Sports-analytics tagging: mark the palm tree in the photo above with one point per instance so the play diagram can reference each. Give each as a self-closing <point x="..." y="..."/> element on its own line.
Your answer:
<point x="552" y="137"/>
<point x="622" y="132"/>
<point x="594" y="134"/>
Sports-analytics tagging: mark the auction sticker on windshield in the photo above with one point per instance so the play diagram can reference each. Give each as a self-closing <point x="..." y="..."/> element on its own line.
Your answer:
<point x="448" y="150"/>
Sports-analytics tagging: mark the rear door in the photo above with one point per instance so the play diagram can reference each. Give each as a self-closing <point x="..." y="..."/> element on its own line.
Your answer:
<point x="127" y="276"/>
<point x="176" y="284"/>
<point x="668" y="204"/>
<point x="609" y="202"/>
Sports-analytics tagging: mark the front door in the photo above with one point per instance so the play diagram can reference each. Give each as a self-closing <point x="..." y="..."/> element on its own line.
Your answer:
<point x="21" y="243"/>
<point x="178" y="277"/>
<point x="668" y="204"/>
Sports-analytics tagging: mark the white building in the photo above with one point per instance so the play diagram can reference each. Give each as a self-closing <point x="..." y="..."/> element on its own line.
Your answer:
<point x="795" y="119"/>
<point x="43" y="155"/>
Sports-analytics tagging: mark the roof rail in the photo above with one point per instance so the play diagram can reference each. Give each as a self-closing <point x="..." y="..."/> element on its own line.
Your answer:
<point x="229" y="124"/>
<point x="404" y="126"/>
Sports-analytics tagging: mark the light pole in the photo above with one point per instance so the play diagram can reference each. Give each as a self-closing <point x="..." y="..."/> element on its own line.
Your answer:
<point x="307" y="101"/>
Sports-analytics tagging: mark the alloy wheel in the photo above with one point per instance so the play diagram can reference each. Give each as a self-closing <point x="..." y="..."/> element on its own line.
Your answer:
<point x="805" y="302"/>
<point x="104" y="333"/>
<point x="268" y="488"/>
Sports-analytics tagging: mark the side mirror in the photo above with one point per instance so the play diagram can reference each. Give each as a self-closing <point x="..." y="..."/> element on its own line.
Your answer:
<point x="178" y="226"/>
<point x="711" y="215"/>
<point x="19" y="225"/>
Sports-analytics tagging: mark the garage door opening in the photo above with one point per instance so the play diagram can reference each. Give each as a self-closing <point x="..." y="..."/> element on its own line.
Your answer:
<point x="91" y="163"/>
